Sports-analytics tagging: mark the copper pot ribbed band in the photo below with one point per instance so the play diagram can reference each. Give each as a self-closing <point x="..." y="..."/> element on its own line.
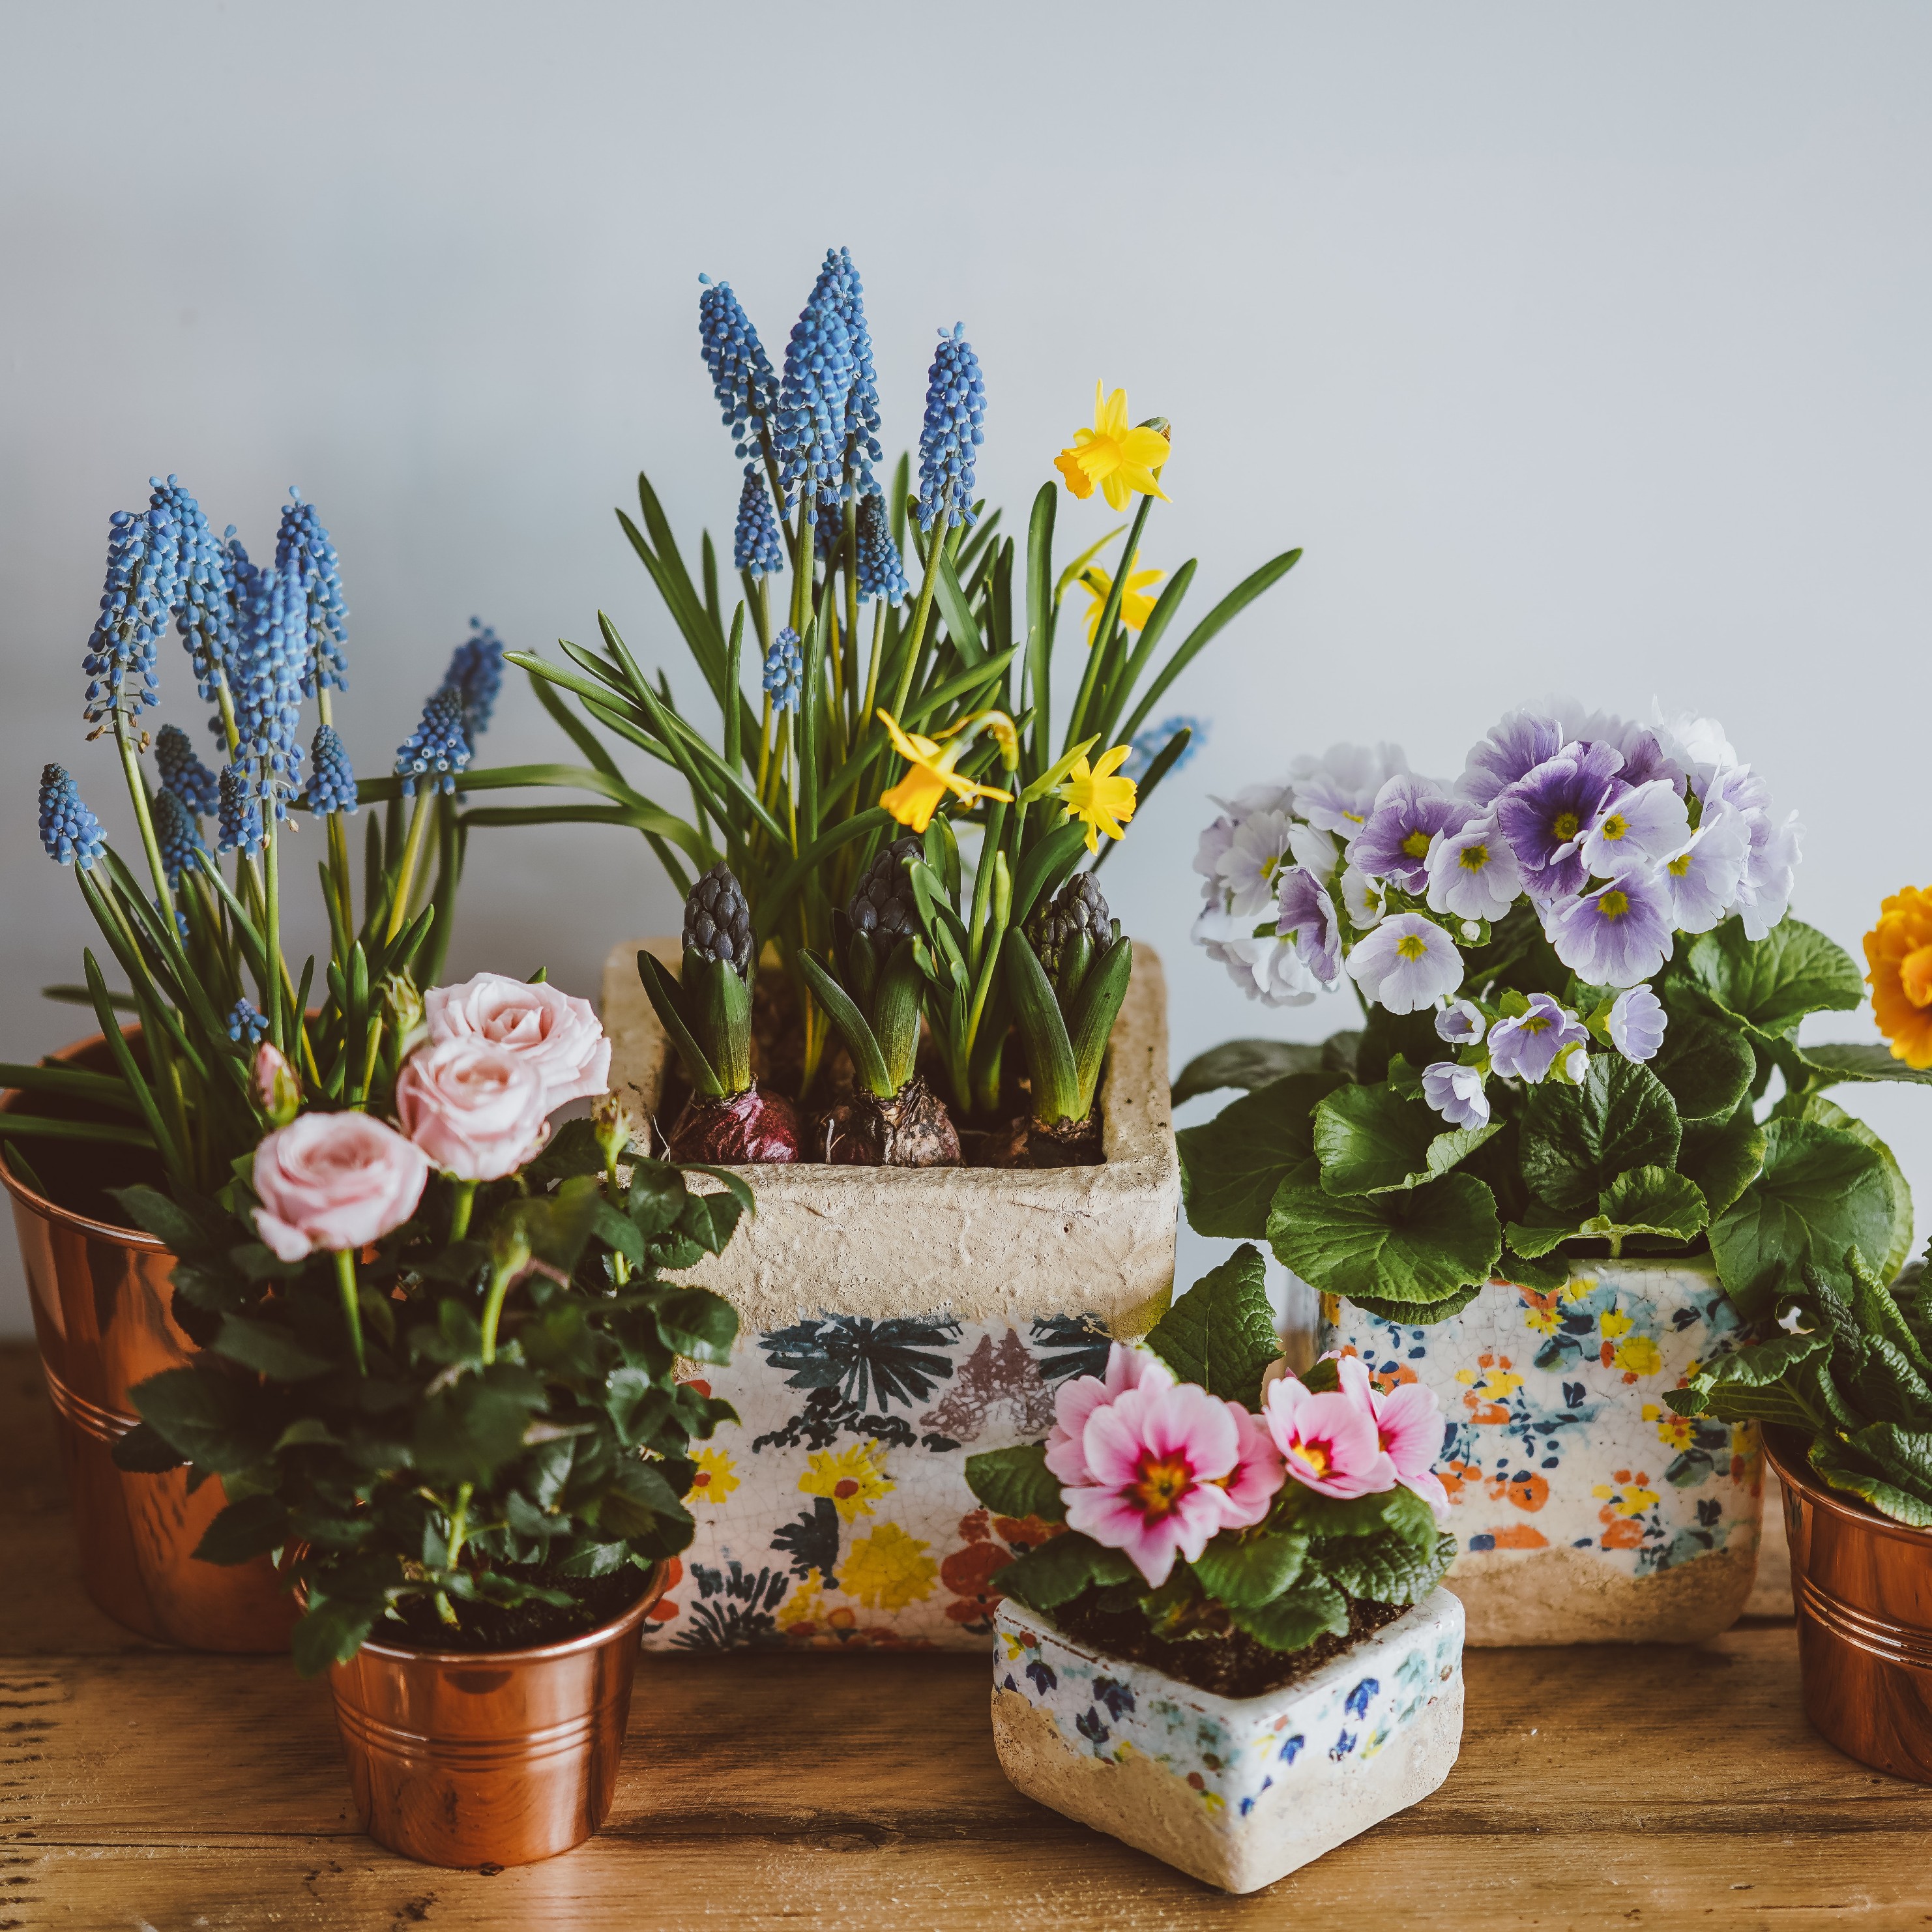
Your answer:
<point x="104" y="1425"/>
<point x="1892" y="1643"/>
<point x="461" y="1753"/>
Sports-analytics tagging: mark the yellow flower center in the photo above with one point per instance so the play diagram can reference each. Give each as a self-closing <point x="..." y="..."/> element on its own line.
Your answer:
<point x="1679" y="866"/>
<point x="1564" y="825"/>
<point x="1915" y="976"/>
<point x="1535" y="1022"/>
<point x="1313" y="1456"/>
<point x="1159" y="1486"/>
<point x="1474" y="858"/>
<point x="1614" y="904"/>
<point x="1615" y="826"/>
<point x="1416" y="844"/>
<point x="1412" y="946"/>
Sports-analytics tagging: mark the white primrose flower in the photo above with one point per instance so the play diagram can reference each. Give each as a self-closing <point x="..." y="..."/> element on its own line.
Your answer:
<point x="1525" y="1046"/>
<point x="1363" y="896"/>
<point x="1703" y="875"/>
<point x="1215" y="839"/>
<point x="1771" y="859"/>
<point x="1698" y="744"/>
<point x="1637" y="1022"/>
<point x="1306" y="919"/>
<point x="1266" y="969"/>
<point x="1461" y="1023"/>
<point x="1456" y="1092"/>
<point x="1576" y="1065"/>
<point x="1473" y="873"/>
<point x="1249" y="869"/>
<point x="1336" y="792"/>
<point x="1408" y="962"/>
<point x="1646" y="824"/>
<point x="1313" y="849"/>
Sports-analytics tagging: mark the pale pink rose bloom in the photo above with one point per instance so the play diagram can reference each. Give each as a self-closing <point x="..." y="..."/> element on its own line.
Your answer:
<point x="1328" y="1441"/>
<point x="1257" y="1471"/>
<point x="333" y="1181"/>
<point x="1408" y="1425"/>
<point x="1156" y="1456"/>
<point x="1127" y="1367"/>
<point x="558" y="1033"/>
<point x="477" y="1110"/>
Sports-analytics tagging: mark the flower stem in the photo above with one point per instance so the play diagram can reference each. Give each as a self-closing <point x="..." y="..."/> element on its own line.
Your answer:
<point x="1101" y="649"/>
<point x="399" y="912"/>
<point x="935" y="548"/>
<point x="271" y="931"/>
<point x="345" y="1281"/>
<point x="459" y="1527"/>
<point x="500" y="1278"/>
<point x="130" y="763"/>
<point x="620" y="1263"/>
<point x="459" y="1215"/>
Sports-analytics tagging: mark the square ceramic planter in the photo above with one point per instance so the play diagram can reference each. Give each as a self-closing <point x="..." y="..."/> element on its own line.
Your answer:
<point x="1587" y="1511"/>
<point x="893" y="1322"/>
<point x="1236" y="1791"/>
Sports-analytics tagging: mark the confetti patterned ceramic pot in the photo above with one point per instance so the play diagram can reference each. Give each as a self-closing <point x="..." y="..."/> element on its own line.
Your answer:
<point x="1238" y="1791"/>
<point x="894" y="1322"/>
<point x="1587" y="1511"/>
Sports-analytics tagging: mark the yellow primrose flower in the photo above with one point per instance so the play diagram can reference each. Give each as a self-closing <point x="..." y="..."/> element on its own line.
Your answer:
<point x="916" y="797"/>
<point x="1097" y="795"/>
<point x="888" y="1569"/>
<point x="1112" y="454"/>
<point x="1136" y="607"/>
<point x="854" y="1479"/>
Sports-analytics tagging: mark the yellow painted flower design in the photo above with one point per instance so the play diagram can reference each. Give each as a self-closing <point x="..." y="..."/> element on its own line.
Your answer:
<point x="717" y="1476"/>
<point x="1614" y="1323"/>
<point x="806" y="1603"/>
<point x="1638" y="1355"/>
<point x="1673" y="1431"/>
<point x="1491" y="1385"/>
<point x="1627" y="1499"/>
<point x="916" y="797"/>
<point x="1120" y="458"/>
<point x="1098" y="795"/>
<point x="1136" y="606"/>
<point x="888" y="1569"/>
<point x="854" y="1479"/>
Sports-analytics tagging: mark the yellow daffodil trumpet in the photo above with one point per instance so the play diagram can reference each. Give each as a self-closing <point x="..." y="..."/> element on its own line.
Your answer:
<point x="1122" y="459"/>
<point x="916" y="797"/>
<point x="1098" y="795"/>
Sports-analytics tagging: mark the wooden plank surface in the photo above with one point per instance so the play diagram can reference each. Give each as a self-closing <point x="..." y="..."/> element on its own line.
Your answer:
<point x="141" y="1787"/>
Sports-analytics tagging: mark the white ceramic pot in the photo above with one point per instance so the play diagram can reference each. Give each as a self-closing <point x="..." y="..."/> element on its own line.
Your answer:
<point x="895" y="1321"/>
<point x="1587" y="1510"/>
<point x="1237" y="1792"/>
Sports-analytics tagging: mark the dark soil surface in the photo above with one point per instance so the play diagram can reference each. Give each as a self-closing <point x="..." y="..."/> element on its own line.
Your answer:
<point x="487" y="1626"/>
<point x="1231" y="1666"/>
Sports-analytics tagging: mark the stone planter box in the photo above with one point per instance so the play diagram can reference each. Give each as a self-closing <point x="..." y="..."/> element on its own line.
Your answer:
<point x="895" y="1322"/>
<point x="1589" y="1512"/>
<point x="1237" y="1792"/>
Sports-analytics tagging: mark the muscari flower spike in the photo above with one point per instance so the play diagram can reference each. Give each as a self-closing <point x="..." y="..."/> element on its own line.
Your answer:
<point x="742" y="377"/>
<point x="809" y="439"/>
<point x="475" y="674"/>
<point x="71" y="833"/>
<point x="246" y="1026"/>
<point x="756" y="547"/>
<point x="238" y="822"/>
<point x="437" y="745"/>
<point x="270" y="668"/>
<point x="142" y="581"/>
<point x="176" y="833"/>
<point x="955" y="408"/>
<point x="204" y="603"/>
<point x="881" y="568"/>
<point x="332" y="781"/>
<point x="838" y="280"/>
<point x="784" y="671"/>
<point x="183" y="774"/>
<point x="302" y="541"/>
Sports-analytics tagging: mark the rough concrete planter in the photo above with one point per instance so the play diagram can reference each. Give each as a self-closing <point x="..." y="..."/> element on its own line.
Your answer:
<point x="1238" y="1791"/>
<point x="894" y="1322"/>
<point x="1587" y="1511"/>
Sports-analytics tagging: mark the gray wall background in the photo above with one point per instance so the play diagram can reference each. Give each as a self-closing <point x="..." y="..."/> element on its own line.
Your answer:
<point x="1583" y="348"/>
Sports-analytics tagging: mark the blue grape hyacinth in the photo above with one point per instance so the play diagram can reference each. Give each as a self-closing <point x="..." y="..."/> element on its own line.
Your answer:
<point x="741" y="378"/>
<point x="136" y="600"/>
<point x="246" y="1026"/>
<point x="881" y="568"/>
<point x="838" y="284"/>
<point x="302" y="543"/>
<point x="270" y="665"/>
<point x="1147" y="745"/>
<point x="475" y="674"/>
<point x="819" y="370"/>
<point x="784" y="671"/>
<point x="239" y="817"/>
<point x="955" y="408"/>
<point x="437" y="747"/>
<point x="204" y="602"/>
<point x="183" y="774"/>
<point x="756" y="547"/>
<point x="176" y="833"/>
<point x="71" y="833"/>
<point x="331" y="782"/>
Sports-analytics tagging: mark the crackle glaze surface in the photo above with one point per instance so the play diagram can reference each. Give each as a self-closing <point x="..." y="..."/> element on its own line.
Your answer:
<point x="1557" y="1438"/>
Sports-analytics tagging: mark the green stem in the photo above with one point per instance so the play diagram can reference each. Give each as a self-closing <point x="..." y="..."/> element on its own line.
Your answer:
<point x="130" y="764"/>
<point x="272" y="930"/>
<point x="1102" y="648"/>
<point x="459" y="1528"/>
<point x="935" y="548"/>
<point x="459" y="1215"/>
<point x="338" y="866"/>
<point x="620" y="1263"/>
<point x="399" y="910"/>
<point x="345" y="1282"/>
<point x="500" y="1278"/>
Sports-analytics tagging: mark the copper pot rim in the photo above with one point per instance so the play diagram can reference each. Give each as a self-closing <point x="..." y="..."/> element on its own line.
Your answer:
<point x="656" y="1582"/>
<point x="1795" y="1473"/>
<point x="136" y="1238"/>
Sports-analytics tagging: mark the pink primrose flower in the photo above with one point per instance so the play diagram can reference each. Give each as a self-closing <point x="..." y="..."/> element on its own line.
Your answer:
<point x="1409" y="1426"/>
<point x="1257" y="1475"/>
<point x="1328" y="1441"/>
<point x="1127" y="1367"/>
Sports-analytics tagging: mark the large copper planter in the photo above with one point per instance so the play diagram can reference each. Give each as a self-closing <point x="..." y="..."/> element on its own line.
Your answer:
<point x="100" y="1299"/>
<point x="489" y="1757"/>
<point x="1863" y="1589"/>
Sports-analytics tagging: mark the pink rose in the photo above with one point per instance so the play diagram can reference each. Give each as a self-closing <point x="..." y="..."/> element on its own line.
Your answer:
<point x="335" y="1181"/>
<point x="476" y="1109"/>
<point x="558" y="1035"/>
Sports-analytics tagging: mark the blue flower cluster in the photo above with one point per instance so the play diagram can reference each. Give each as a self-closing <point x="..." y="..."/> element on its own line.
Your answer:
<point x="437" y="745"/>
<point x="819" y="371"/>
<point x="881" y="568"/>
<point x="302" y="544"/>
<point x="238" y="822"/>
<point x="741" y="372"/>
<point x="784" y="671"/>
<point x="143" y="578"/>
<point x="183" y="774"/>
<point x="176" y="833"/>
<point x="268" y="669"/>
<point x="204" y="607"/>
<point x="331" y="781"/>
<point x="475" y="674"/>
<point x="839" y="279"/>
<point x="1149" y="745"/>
<point x="245" y="1025"/>
<point x="756" y="547"/>
<point x="955" y="408"/>
<point x="70" y="832"/>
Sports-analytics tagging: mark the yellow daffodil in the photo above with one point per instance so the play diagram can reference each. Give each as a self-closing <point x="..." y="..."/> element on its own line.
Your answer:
<point x="1136" y="606"/>
<point x="916" y="797"/>
<point x="1097" y="795"/>
<point x="1118" y="457"/>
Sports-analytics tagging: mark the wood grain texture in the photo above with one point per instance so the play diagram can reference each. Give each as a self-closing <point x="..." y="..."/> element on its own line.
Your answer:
<point x="1597" y="1788"/>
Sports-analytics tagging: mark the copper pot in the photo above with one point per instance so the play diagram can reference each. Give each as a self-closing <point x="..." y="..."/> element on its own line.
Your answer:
<point x="1863" y="1589"/>
<point x="101" y="1301"/>
<point x="489" y="1757"/>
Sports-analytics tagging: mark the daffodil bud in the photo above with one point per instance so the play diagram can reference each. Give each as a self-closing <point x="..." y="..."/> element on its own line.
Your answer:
<point x="277" y="1091"/>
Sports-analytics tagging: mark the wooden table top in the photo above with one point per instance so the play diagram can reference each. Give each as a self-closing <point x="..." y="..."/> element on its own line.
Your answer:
<point x="141" y="1787"/>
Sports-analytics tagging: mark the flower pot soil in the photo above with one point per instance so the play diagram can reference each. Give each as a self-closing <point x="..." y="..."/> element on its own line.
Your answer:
<point x="485" y="1626"/>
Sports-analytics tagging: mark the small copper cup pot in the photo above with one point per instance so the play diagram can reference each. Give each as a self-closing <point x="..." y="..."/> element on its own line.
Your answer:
<point x="465" y="1758"/>
<point x="101" y="1299"/>
<point x="1862" y="1586"/>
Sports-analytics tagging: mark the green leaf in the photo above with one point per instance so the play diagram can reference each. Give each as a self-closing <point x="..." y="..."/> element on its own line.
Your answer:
<point x="244" y="1530"/>
<point x="1820" y="1193"/>
<point x="1755" y="1384"/>
<point x="1826" y="1113"/>
<point x="1840" y="1472"/>
<point x="1049" y="1053"/>
<point x="268" y="1349"/>
<point x="1649" y="1200"/>
<point x="1369" y="1140"/>
<point x="330" y="1631"/>
<point x="1252" y="1570"/>
<point x="694" y="1322"/>
<point x="1904" y="1454"/>
<point x="1412" y="1248"/>
<point x="1328" y="1521"/>
<point x="1295" y="1618"/>
<point x="1388" y="1568"/>
<point x="1245" y="1063"/>
<point x="149" y="1208"/>
<point x="145" y="1451"/>
<point x="1016" y="1482"/>
<point x="867" y="1061"/>
<point x="1545" y="1277"/>
<point x="1858" y="1060"/>
<point x="1576" y="1140"/>
<point x="1531" y="1240"/>
<point x="1059" y="1569"/>
<point x="202" y="1414"/>
<point x="710" y="1219"/>
<point x="656" y="1198"/>
<point x="1421" y="1314"/>
<point x="1231" y="1166"/>
<point x="1771" y="983"/>
<point x="1221" y="1333"/>
<point x="1707" y="1065"/>
<point x="1722" y="1160"/>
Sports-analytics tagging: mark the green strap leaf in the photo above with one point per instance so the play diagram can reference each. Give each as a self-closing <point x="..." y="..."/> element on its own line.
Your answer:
<point x="867" y="1061"/>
